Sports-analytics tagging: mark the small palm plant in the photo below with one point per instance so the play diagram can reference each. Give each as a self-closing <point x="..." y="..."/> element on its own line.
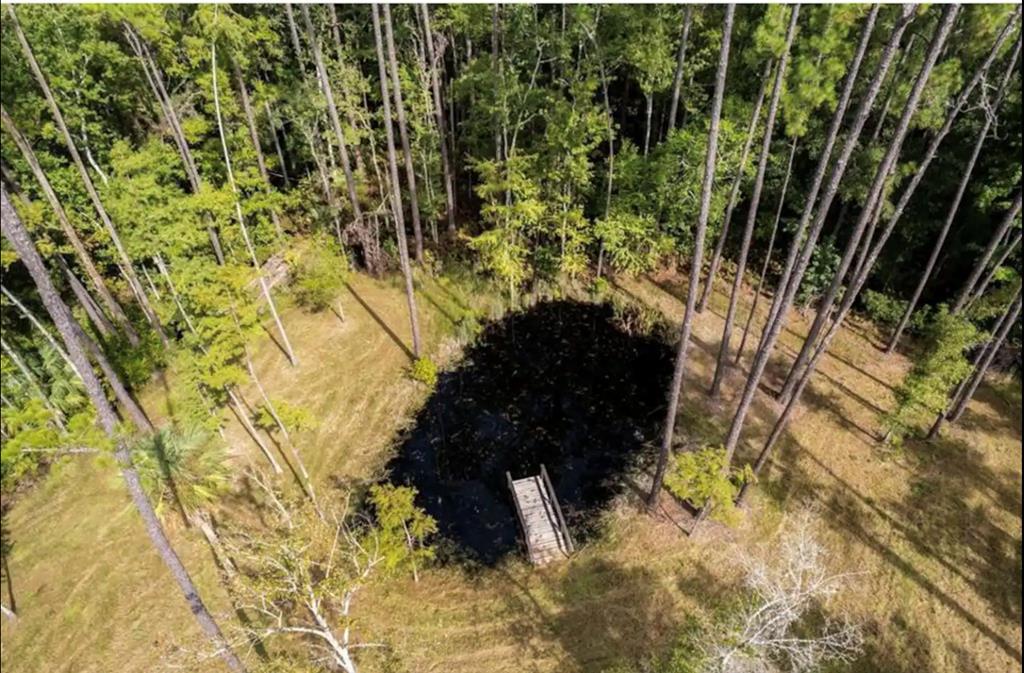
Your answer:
<point x="185" y="469"/>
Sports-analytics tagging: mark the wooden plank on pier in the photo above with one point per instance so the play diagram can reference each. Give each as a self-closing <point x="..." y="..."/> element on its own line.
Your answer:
<point x="547" y="538"/>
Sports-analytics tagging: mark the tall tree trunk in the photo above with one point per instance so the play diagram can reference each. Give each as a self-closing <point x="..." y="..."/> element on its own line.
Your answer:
<point x="81" y="253"/>
<point x="16" y="234"/>
<point x="875" y="193"/>
<point x="648" y="110"/>
<point x="1008" y="321"/>
<point x="954" y="207"/>
<point x="40" y="328"/>
<point x="254" y="136"/>
<point x="332" y="112"/>
<point x="896" y="72"/>
<point x="396" y="196"/>
<point x="293" y="31"/>
<point x="794" y="267"/>
<point x="403" y="133"/>
<point x="983" y="285"/>
<point x="264" y="288"/>
<point x="734" y="190"/>
<point x="96" y="316"/>
<point x="710" y="162"/>
<point x="771" y="248"/>
<point x="755" y="202"/>
<point x="277" y="144"/>
<point x="438" y="110"/>
<point x="990" y="250"/>
<point x="677" y="81"/>
<point x="942" y="32"/>
<point x="90" y="188"/>
<point x="825" y="306"/>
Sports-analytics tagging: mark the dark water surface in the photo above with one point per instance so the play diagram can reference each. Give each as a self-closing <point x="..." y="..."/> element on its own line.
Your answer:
<point x="558" y="384"/>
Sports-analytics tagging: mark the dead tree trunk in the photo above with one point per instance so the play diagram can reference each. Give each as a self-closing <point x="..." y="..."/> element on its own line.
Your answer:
<point x="710" y="162"/>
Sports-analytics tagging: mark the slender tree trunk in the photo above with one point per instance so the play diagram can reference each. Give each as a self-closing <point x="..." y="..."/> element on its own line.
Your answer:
<point x="264" y="288"/>
<point x="938" y="41"/>
<point x="332" y="112"/>
<point x="121" y="393"/>
<point x="649" y="109"/>
<point x="986" y="257"/>
<point x="734" y="191"/>
<point x="435" y="87"/>
<point x="677" y="81"/>
<point x="794" y="267"/>
<point x="768" y="255"/>
<point x="755" y="202"/>
<point x="277" y="145"/>
<point x="42" y="330"/>
<point x="293" y="31"/>
<point x="90" y="188"/>
<point x="897" y="71"/>
<point x="96" y="316"/>
<point x="403" y="133"/>
<point x="33" y="382"/>
<point x="707" y="184"/>
<point x="396" y="197"/>
<point x="81" y="253"/>
<point x="825" y="306"/>
<point x="980" y="291"/>
<point x="1009" y="320"/>
<point x="16" y="234"/>
<point x="254" y="136"/>
<point x="954" y="207"/>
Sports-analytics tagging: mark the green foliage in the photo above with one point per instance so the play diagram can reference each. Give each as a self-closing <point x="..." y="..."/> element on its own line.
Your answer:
<point x="425" y="371"/>
<point x="295" y="418"/>
<point x="403" y="529"/>
<point x="633" y="243"/>
<point x="638" y="319"/>
<point x="884" y="309"/>
<point x="184" y="469"/>
<point x="704" y="478"/>
<point x="936" y="372"/>
<point x="318" y="269"/>
<point x="822" y="267"/>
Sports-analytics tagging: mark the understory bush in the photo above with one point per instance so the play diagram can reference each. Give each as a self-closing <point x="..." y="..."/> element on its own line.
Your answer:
<point x="318" y="269"/>
<point x="638" y="319"/>
<point x="703" y="477"/>
<point x="887" y="310"/>
<point x="425" y="371"/>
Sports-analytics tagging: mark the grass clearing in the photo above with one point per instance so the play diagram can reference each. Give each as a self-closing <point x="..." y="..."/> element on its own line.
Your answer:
<point x="936" y="527"/>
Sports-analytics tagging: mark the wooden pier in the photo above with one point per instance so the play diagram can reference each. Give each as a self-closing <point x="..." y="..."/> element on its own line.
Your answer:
<point x="540" y="516"/>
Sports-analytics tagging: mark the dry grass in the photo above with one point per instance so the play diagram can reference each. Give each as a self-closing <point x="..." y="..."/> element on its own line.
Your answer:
<point x="937" y="527"/>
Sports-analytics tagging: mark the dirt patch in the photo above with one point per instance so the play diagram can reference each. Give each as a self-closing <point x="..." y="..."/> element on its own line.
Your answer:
<point x="558" y="384"/>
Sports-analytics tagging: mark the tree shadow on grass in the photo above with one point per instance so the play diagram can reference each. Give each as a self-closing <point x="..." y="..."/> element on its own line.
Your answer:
<point x="932" y="519"/>
<point x="600" y="614"/>
<point x="380" y="321"/>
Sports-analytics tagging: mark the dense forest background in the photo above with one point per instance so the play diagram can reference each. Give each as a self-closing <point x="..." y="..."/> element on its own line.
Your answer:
<point x="183" y="169"/>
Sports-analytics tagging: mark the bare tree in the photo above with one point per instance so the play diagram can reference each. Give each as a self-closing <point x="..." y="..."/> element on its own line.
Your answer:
<point x="755" y="202"/>
<point x="710" y="163"/>
<point x="396" y="197"/>
<point x="14" y="231"/>
<point x="788" y="585"/>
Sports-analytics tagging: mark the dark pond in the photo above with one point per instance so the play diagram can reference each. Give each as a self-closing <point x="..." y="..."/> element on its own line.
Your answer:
<point x="558" y="384"/>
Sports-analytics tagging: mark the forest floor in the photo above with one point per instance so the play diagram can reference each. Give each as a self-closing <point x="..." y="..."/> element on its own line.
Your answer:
<point x="935" y="529"/>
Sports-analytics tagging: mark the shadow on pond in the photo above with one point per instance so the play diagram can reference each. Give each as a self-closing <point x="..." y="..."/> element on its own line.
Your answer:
<point x="559" y="384"/>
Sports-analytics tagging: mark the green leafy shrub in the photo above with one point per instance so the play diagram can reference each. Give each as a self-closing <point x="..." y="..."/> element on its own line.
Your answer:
<point x="822" y="267"/>
<point x="635" y="318"/>
<point x="704" y="477"/>
<point x="886" y="310"/>
<point x="403" y="528"/>
<point x="318" y="273"/>
<point x="632" y="243"/>
<point x="425" y="371"/>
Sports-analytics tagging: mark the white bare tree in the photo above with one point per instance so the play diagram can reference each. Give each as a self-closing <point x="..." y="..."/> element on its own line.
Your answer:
<point x="787" y="584"/>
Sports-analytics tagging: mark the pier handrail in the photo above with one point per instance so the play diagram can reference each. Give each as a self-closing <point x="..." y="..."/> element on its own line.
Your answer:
<point x="558" y="508"/>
